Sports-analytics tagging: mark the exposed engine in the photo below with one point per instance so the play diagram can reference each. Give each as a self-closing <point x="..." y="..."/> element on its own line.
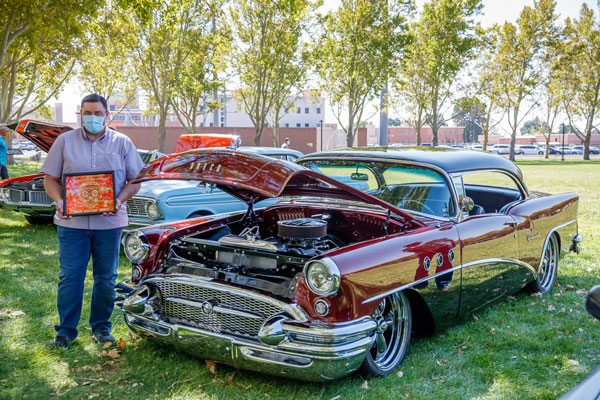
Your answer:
<point x="272" y="264"/>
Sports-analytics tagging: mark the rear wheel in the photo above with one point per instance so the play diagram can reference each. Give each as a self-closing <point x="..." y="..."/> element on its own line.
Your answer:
<point x="549" y="267"/>
<point x="392" y="336"/>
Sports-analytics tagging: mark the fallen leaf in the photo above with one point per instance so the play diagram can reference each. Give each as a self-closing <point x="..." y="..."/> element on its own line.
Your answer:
<point x="581" y="291"/>
<point x="230" y="378"/>
<point x="551" y="308"/>
<point x="134" y="385"/>
<point x="114" y="353"/>
<point x="103" y="353"/>
<point x="91" y="396"/>
<point x="475" y="317"/>
<point x="573" y="362"/>
<point x="579" y="340"/>
<point x="400" y="374"/>
<point x="492" y="331"/>
<point x="569" y="287"/>
<point x="211" y="365"/>
<point x="338" y="397"/>
<point x="365" y="385"/>
<point x="121" y="343"/>
<point x="107" y="345"/>
<point x="460" y="351"/>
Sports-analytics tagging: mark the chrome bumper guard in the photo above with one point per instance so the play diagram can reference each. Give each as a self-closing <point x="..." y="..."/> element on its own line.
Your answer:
<point x="287" y="347"/>
<point x="575" y="243"/>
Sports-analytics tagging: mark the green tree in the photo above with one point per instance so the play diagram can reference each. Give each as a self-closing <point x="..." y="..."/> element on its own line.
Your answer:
<point x="519" y="63"/>
<point x="448" y="33"/>
<point x="40" y="42"/>
<point x="108" y="66"/>
<point x="267" y="55"/>
<point x="357" y="52"/>
<point x="165" y="31"/>
<point x="581" y="69"/>
<point x="201" y="74"/>
<point x="410" y="85"/>
<point x="468" y="115"/>
<point x="532" y="127"/>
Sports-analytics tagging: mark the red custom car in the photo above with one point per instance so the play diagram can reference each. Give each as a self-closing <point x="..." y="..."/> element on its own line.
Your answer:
<point x="364" y="248"/>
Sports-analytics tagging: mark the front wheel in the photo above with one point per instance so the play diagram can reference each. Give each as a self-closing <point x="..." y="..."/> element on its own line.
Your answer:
<point x="392" y="336"/>
<point x="548" y="269"/>
<point x="38" y="220"/>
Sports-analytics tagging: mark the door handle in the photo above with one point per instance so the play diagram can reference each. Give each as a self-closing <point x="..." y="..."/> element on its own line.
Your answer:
<point x="514" y="223"/>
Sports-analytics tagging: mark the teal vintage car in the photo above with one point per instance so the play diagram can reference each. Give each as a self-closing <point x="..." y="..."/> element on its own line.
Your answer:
<point x="172" y="200"/>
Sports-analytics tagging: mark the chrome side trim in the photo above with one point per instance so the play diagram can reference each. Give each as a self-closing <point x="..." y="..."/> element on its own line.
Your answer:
<point x="550" y="232"/>
<point x="461" y="266"/>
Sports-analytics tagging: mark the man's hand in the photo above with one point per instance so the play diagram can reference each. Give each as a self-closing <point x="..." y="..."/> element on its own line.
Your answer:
<point x="60" y="210"/>
<point x="117" y="207"/>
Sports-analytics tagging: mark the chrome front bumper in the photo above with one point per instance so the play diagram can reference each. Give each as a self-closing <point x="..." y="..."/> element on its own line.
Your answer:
<point x="287" y="347"/>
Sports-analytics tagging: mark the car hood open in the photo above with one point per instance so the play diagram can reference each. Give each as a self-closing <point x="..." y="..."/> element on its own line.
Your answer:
<point x="42" y="134"/>
<point x="252" y="177"/>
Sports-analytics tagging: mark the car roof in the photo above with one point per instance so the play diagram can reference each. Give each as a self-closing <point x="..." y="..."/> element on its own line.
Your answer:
<point x="449" y="160"/>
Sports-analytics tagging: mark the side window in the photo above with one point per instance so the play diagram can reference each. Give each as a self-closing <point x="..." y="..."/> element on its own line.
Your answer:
<point x="490" y="190"/>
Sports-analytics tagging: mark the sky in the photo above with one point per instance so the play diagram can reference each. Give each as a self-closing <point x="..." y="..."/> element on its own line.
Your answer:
<point x="494" y="11"/>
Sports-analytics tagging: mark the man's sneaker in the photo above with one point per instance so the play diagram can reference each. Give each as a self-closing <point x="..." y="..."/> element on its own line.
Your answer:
<point x="61" y="342"/>
<point x="104" y="337"/>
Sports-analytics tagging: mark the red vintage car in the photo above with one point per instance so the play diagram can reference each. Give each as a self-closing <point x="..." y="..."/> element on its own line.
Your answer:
<point x="364" y="248"/>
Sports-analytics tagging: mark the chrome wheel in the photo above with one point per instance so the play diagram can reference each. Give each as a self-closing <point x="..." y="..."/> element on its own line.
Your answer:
<point x="392" y="335"/>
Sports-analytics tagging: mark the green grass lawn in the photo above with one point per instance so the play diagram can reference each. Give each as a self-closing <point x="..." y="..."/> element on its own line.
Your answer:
<point x="526" y="347"/>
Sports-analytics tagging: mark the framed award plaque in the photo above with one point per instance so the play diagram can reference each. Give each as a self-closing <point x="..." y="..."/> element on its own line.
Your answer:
<point x="89" y="193"/>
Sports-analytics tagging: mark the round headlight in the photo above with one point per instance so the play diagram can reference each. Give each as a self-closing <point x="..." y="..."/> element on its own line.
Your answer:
<point x="135" y="246"/>
<point x="322" y="277"/>
<point x="152" y="210"/>
<point x="4" y="194"/>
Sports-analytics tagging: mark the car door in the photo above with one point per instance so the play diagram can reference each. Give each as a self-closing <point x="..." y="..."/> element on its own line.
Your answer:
<point x="488" y="240"/>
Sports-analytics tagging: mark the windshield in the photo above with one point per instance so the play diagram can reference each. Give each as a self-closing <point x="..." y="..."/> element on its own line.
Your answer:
<point x="411" y="187"/>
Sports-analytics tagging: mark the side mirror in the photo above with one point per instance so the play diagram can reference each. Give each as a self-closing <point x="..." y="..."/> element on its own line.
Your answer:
<point x="592" y="303"/>
<point x="466" y="204"/>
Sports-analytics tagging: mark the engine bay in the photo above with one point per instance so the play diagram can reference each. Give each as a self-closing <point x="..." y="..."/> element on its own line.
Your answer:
<point x="269" y="254"/>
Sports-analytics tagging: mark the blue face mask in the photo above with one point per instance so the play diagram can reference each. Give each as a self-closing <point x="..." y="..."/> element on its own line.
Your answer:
<point x="93" y="123"/>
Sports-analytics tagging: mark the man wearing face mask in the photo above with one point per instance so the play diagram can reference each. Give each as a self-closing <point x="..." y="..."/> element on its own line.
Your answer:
<point x="93" y="147"/>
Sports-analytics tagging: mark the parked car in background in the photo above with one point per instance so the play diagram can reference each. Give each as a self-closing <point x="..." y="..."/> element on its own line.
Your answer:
<point x="504" y="149"/>
<point x="26" y="194"/>
<point x="527" y="149"/>
<point x="551" y="150"/>
<point x="565" y="150"/>
<point x="592" y="149"/>
<point x="476" y="147"/>
<point x="331" y="279"/>
<point x="162" y="201"/>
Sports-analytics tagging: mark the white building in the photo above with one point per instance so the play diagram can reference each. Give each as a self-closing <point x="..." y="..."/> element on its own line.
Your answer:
<point x="307" y="111"/>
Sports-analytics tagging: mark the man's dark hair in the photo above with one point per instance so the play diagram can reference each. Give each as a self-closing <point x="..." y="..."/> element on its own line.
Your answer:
<point x="94" y="98"/>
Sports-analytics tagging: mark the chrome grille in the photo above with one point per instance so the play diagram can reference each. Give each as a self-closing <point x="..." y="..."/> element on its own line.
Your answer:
<point x="240" y="325"/>
<point x="136" y="207"/>
<point x="39" y="198"/>
<point x="16" y="195"/>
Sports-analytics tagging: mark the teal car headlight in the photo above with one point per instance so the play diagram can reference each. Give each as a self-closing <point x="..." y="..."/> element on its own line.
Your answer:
<point x="322" y="277"/>
<point x="152" y="210"/>
<point x="135" y="246"/>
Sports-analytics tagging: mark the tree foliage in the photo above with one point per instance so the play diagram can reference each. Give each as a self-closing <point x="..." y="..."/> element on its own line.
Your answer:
<point x="108" y="65"/>
<point x="448" y="35"/>
<point x="40" y="42"/>
<point x="166" y="29"/>
<point x="267" y="57"/>
<point x="519" y="65"/>
<point x="357" y="52"/>
<point x="581" y="74"/>
<point x="201" y="75"/>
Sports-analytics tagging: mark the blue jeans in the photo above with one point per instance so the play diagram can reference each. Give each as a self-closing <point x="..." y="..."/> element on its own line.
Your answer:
<point x="75" y="246"/>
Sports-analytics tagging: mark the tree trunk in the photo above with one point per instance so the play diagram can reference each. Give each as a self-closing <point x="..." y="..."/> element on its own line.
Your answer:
<point x="162" y="131"/>
<point x="434" y="123"/>
<point x="257" y="135"/>
<point x="586" y="145"/>
<point x="547" y="145"/>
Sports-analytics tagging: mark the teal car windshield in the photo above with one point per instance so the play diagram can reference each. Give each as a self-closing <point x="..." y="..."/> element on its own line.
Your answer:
<point x="411" y="187"/>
